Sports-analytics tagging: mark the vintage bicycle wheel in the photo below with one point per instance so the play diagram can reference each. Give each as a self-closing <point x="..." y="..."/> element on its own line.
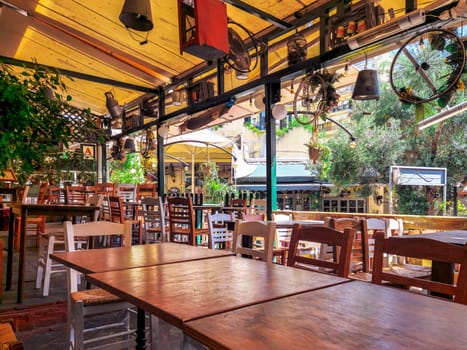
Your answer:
<point x="427" y="66"/>
<point x="310" y="99"/>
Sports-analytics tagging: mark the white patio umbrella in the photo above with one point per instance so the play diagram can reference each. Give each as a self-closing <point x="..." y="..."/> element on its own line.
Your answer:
<point x="203" y="146"/>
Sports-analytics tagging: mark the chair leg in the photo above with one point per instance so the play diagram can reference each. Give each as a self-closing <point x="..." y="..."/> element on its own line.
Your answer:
<point x="48" y="266"/>
<point x="40" y="263"/>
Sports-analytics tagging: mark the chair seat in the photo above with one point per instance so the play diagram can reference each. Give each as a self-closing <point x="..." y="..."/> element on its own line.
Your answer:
<point x="411" y="271"/>
<point x="94" y="296"/>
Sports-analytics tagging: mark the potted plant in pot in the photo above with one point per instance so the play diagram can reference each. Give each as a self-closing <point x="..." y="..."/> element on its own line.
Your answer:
<point x="31" y="119"/>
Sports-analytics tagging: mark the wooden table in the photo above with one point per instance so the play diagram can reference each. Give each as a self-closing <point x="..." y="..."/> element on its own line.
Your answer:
<point x="130" y="258"/>
<point x="289" y="223"/>
<point x="24" y="210"/>
<point x="177" y="293"/>
<point x="110" y="259"/>
<point x="356" y="315"/>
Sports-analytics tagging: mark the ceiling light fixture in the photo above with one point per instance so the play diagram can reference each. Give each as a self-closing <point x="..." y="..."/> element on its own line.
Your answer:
<point x="387" y="29"/>
<point x="115" y="110"/>
<point x="447" y="113"/>
<point x="136" y="14"/>
<point x="366" y="86"/>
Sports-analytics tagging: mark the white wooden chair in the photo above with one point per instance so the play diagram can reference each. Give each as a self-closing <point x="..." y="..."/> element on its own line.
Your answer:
<point x="51" y="241"/>
<point x="219" y="234"/>
<point x="264" y="230"/>
<point x="87" y="302"/>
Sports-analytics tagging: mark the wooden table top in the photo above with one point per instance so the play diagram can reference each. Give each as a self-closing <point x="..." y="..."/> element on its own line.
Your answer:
<point x="108" y="259"/>
<point x="53" y="209"/>
<point x="290" y="223"/>
<point x="453" y="237"/>
<point x="189" y="290"/>
<point x="355" y="315"/>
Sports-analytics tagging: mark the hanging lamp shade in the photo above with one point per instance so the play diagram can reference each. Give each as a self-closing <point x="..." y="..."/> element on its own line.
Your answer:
<point x="136" y="14"/>
<point x="129" y="146"/>
<point x="115" y="110"/>
<point x="366" y="87"/>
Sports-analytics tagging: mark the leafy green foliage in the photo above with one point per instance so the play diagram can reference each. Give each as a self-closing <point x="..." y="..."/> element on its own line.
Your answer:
<point x="214" y="188"/>
<point x="31" y="121"/>
<point x="129" y="171"/>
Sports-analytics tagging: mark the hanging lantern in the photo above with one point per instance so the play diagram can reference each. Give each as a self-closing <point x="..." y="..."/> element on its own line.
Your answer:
<point x="366" y="87"/>
<point x="296" y="49"/>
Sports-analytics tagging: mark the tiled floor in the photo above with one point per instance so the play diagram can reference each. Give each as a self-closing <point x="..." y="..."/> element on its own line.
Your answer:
<point x="53" y="335"/>
<point x="50" y="337"/>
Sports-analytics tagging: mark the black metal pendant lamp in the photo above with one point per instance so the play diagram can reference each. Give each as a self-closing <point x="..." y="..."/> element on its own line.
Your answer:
<point x="136" y="14"/>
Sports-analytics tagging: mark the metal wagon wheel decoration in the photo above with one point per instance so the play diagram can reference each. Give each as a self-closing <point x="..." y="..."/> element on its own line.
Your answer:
<point x="147" y="143"/>
<point x="428" y="66"/>
<point x="310" y="98"/>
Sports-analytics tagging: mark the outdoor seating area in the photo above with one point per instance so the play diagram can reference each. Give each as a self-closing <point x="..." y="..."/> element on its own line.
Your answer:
<point x="233" y="175"/>
<point x="325" y="247"/>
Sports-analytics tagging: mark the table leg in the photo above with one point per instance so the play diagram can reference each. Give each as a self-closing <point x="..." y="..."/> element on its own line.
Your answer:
<point x="140" y="329"/>
<point x="22" y="255"/>
<point x="444" y="273"/>
<point x="9" y="261"/>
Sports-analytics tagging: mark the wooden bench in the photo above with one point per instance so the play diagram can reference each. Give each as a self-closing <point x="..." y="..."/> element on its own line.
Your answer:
<point x="8" y="340"/>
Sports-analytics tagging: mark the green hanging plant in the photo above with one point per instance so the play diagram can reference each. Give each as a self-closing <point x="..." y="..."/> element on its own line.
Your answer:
<point x="31" y="119"/>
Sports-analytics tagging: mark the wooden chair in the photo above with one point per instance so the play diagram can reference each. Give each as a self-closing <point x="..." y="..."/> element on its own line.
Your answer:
<point x="240" y="205"/>
<point x="106" y="188"/>
<point x="153" y="213"/>
<point x="145" y="190"/>
<point x="279" y="253"/>
<point x="182" y="222"/>
<point x="35" y="225"/>
<point x="88" y="302"/>
<point x="264" y="230"/>
<point x="421" y="248"/>
<point x="359" y="260"/>
<point x="75" y="194"/>
<point x="127" y="192"/>
<point x="56" y="195"/>
<point x="258" y="206"/>
<point x="52" y="241"/>
<point x="373" y="225"/>
<point x="321" y="234"/>
<point x="119" y="214"/>
<point x="220" y="236"/>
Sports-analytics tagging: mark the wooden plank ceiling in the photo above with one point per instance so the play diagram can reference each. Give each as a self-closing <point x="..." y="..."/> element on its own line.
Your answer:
<point x="86" y="36"/>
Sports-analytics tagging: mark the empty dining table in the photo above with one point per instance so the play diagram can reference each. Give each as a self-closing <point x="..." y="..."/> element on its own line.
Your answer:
<point x="129" y="258"/>
<point x="356" y="315"/>
<point x="177" y="293"/>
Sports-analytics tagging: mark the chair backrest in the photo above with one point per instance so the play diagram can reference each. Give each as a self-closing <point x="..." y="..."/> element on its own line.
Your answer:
<point x="219" y="233"/>
<point x="106" y="188"/>
<point x="145" y="190"/>
<point x="373" y="225"/>
<point x="56" y="195"/>
<point x="258" y="206"/>
<point x="22" y="194"/>
<point x="238" y="203"/>
<point x="264" y="230"/>
<point x="321" y="234"/>
<point x="127" y="192"/>
<point x="97" y="201"/>
<point x="75" y="194"/>
<point x="282" y="234"/>
<point x="87" y="231"/>
<point x="422" y="248"/>
<point x="394" y="227"/>
<point x="360" y="255"/>
<point x="253" y="217"/>
<point x="182" y="219"/>
<point x="116" y="209"/>
<point x="42" y="195"/>
<point x="154" y="214"/>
